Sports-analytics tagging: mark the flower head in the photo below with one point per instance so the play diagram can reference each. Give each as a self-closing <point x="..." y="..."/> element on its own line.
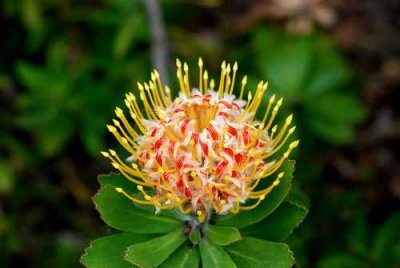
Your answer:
<point x="203" y="152"/>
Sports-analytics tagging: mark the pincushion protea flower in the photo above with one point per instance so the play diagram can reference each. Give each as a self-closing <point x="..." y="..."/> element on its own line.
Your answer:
<point x="203" y="152"/>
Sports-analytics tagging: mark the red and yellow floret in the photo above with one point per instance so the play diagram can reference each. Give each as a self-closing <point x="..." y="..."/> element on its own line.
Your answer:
<point x="203" y="152"/>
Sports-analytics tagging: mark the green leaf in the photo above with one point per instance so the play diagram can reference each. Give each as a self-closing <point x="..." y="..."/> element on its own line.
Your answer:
<point x="329" y="71"/>
<point x="266" y="207"/>
<point x="131" y="30"/>
<point x="386" y="239"/>
<point x="121" y="213"/>
<point x="252" y="252"/>
<point x="358" y="235"/>
<point x="109" y="251"/>
<point x="341" y="260"/>
<point x="51" y="141"/>
<point x="92" y="140"/>
<point x="7" y="177"/>
<point x="37" y="78"/>
<point x="155" y="251"/>
<point x="336" y="108"/>
<point x="195" y="236"/>
<point x="333" y="116"/>
<point x="298" y="198"/>
<point x="184" y="257"/>
<point x="287" y="63"/>
<point x="32" y="15"/>
<point x="336" y="133"/>
<point x="222" y="235"/>
<point x="214" y="256"/>
<point x="279" y="224"/>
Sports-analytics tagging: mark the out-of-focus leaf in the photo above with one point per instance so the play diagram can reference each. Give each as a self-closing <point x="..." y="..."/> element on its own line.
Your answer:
<point x="5" y="81"/>
<point x="10" y="7"/>
<point x="68" y="248"/>
<point x="184" y="257"/>
<point x="21" y="152"/>
<point x="333" y="117"/>
<point x="357" y="238"/>
<point x="311" y="74"/>
<point x="109" y="251"/>
<point x="119" y="212"/>
<point x="192" y="44"/>
<point x="56" y="55"/>
<point x="222" y="235"/>
<point x="52" y="140"/>
<point x="387" y="240"/>
<point x="95" y="113"/>
<point x="32" y="17"/>
<point x="342" y="109"/>
<point x="287" y="64"/>
<point x="341" y="260"/>
<point x="93" y="140"/>
<point x="155" y="251"/>
<point x="7" y="177"/>
<point x="42" y="81"/>
<point x="130" y="31"/>
<point x="117" y="180"/>
<point x="329" y="70"/>
<point x="214" y="256"/>
<point x="266" y="207"/>
<point x="257" y="253"/>
<point x="333" y="132"/>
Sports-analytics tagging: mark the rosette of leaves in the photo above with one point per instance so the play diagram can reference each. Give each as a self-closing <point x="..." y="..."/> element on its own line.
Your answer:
<point x="144" y="238"/>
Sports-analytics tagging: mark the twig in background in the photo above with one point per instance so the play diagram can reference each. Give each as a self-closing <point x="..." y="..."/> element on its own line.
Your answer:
<point x="159" y="49"/>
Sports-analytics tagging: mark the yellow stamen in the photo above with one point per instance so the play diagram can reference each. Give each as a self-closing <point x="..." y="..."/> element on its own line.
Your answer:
<point x="180" y="77"/>
<point x="270" y="102"/>
<point x="134" y="199"/>
<point x="222" y="79"/>
<point x="277" y="165"/>
<point x="205" y="81"/>
<point x="228" y="79"/>
<point x="186" y="79"/>
<point x="124" y="134"/>
<point x="201" y="75"/>
<point x="212" y="84"/>
<point x="236" y="207"/>
<point x="244" y="82"/>
<point x="168" y="91"/>
<point x="264" y="192"/>
<point x="253" y="205"/>
<point x="121" y="116"/>
<point x="274" y="113"/>
<point x="235" y="68"/>
<point x="166" y="102"/>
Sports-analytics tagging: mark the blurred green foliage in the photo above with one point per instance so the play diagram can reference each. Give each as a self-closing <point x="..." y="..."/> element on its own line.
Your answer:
<point x="74" y="69"/>
<point x="314" y="79"/>
<point x="366" y="247"/>
<point x="65" y="65"/>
